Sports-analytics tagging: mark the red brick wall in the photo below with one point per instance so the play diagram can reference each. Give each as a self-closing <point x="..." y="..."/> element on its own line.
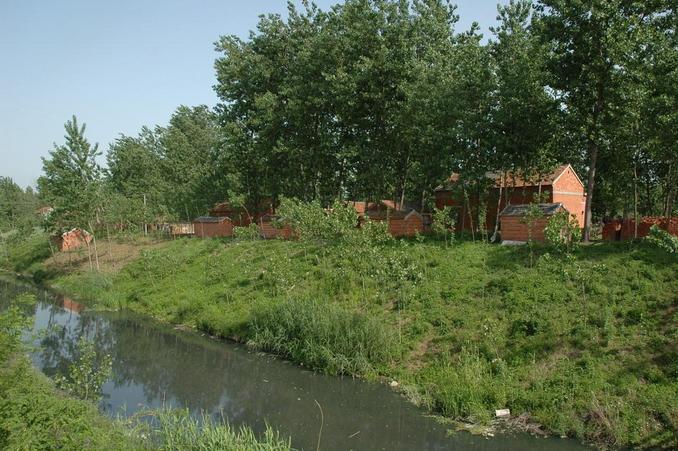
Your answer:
<point x="519" y="195"/>
<point x="512" y="229"/>
<point x="213" y="229"/>
<point x="570" y="192"/>
<point x="269" y="232"/>
<point x="628" y="226"/>
<point x="72" y="240"/>
<point x="406" y="227"/>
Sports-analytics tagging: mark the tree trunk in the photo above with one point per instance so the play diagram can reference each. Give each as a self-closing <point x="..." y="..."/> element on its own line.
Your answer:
<point x="96" y="252"/>
<point x="668" y="201"/>
<point x="470" y="215"/>
<point x="593" y="158"/>
<point x="635" y="199"/>
<point x="108" y="238"/>
<point x="89" y="256"/>
<point x="502" y="179"/>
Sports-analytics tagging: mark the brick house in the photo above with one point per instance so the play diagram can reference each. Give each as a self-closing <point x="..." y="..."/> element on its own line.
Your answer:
<point x="514" y="228"/>
<point x="562" y="185"/>
<point x="212" y="226"/>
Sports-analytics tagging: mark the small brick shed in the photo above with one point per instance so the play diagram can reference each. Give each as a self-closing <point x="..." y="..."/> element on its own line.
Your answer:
<point x="514" y="228"/>
<point x="72" y="239"/>
<point x="212" y="226"/>
<point x="268" y="230"/>
<point x="401" y="223"/>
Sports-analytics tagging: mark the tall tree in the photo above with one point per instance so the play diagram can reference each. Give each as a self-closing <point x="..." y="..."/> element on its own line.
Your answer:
<point x="190" y="151"/>
<point x="71" y="179"/>
<point x="591" y="43"/>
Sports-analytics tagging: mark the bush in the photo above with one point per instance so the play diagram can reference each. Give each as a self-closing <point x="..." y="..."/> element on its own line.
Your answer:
<point x="443" y="223"/>
<point x="87" y="373"/>
<point x="314" y="223"/>
<point x="250" y="232"/>
<point x="562" y="231"/>
<point x="323" y="336"/>
<point x="662" y="239"/>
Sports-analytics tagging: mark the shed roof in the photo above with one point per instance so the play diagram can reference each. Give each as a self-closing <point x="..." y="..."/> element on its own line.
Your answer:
<point x="392" y="214"/>
<point x="516" y="179"/>
<point x="211" y="219"/>
<point x="521" y="209"/>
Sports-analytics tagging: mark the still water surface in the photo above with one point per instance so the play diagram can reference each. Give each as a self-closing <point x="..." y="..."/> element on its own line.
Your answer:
<point x="154" y="364"/>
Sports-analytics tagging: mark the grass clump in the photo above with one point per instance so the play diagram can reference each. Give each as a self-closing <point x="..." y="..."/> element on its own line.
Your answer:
<point x="177" y="430"/>
<point x="324" y="337"/>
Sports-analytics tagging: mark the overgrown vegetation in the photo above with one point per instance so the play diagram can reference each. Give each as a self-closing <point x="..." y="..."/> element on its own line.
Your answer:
<point x="662" y="239"/>
<point x="177" y="430"/>
<point x="583" y="342"/>
<point x="35" y="415"/>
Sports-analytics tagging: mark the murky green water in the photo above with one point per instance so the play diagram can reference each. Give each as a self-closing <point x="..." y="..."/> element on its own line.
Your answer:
<point x="154" y="364"/>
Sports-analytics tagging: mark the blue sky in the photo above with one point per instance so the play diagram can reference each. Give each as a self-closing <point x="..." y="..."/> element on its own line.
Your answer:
<point x="118" y="65"/>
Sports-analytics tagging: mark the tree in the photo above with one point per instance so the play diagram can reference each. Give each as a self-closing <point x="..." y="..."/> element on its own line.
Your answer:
<point x="71" y="179"/>
<point x="17" y="206"/>
<point x="591" y="45"/>
<point x="190" y="157"/>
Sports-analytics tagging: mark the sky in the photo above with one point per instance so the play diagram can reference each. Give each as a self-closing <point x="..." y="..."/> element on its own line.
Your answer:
<point x="119" y="65"/>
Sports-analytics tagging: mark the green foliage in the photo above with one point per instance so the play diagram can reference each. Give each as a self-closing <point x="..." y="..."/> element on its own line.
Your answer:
<point x="177" y="430"/>
<point x="313" y="223"/>
<point x="443" y="223"/>
<point x="87" y="374"/>
<point x="562" y="231"/>
<point x="24" y="253"/>
<point x="469" y="327"/>
<point x="662" y="239"/>
<point x="17" y="207"/>
<point x="323" y="336"/>
<point x="250" y="232"/>
<point x="12" y="324"/>
<point x="71" y="180"/>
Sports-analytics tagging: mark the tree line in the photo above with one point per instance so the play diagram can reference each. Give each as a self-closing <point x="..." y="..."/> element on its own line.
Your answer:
<point x="377" y="99"/>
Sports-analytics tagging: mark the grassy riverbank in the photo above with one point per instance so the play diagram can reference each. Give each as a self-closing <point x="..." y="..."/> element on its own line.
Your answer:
<point x="36" y="415"/>
<point x="584" y="344"/>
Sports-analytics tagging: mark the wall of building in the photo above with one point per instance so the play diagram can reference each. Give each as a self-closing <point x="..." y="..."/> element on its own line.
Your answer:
<point x="569" y="191"/>
<point x="410" y="226"/>
<point x="268" y="231"/>
<point x="626" y="228"/>
<point x="213" y="229"/>
<point x="512" y="229"/>
<point x="513" y="196"/>
<point x="72" y="240"/>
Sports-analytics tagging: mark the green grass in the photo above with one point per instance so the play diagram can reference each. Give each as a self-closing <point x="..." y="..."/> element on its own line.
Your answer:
<point x="586" y="344"/>
<point x="177" y="430"/>
<point x="24" y="255"/>
<point x="35" y="415"/>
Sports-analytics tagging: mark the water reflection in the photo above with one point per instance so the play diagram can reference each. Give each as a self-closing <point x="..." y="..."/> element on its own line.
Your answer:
<point x="155" y="364"/>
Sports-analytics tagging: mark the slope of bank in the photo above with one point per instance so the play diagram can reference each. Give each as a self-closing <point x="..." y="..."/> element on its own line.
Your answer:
<point x="36" y="415"/>
<point x="584" y="345"/>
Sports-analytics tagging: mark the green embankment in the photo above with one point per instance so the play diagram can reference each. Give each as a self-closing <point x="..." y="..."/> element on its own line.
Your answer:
<point x="35" y="415"/>
<point x="584" y="344"/>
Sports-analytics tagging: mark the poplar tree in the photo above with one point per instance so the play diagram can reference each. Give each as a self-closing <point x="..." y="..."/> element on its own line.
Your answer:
<point x="71" y="179"/>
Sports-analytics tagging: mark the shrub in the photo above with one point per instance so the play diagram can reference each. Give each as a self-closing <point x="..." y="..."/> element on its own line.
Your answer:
<point x="662" y="239"/>
<point x="87" y="373"/>
<point x="250" y="232"/>
<point x="323" y="336"/>
<point x="562" y="231"/>
<point x="443" y="223"/>
<point x="314" y="223"/>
